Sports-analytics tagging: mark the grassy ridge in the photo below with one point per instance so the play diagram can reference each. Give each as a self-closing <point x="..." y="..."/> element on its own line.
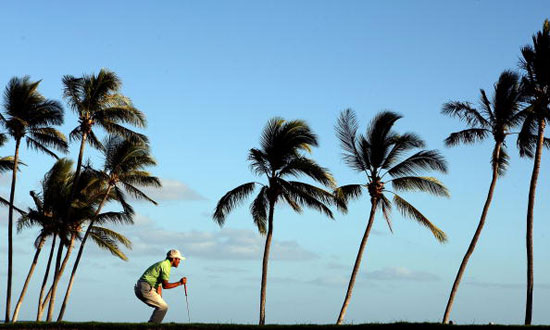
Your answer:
<point x="205" y="326"/>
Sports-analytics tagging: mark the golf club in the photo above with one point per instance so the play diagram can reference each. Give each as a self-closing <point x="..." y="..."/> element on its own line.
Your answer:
<point x="186" y="301"/>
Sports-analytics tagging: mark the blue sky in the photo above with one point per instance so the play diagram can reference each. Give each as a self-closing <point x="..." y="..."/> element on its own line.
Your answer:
<point x="209" y="74"/>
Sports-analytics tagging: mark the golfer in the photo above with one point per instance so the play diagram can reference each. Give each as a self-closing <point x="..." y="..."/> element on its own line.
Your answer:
<point x="149" y="286"/>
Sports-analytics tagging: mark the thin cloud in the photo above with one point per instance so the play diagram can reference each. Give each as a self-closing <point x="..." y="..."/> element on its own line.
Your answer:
<point x="221" y="269"/>
<point x="173" y="190"/>
<point x="401" y="274"/>
<point x="225" y="244"/>
<point x="487" y="285"/>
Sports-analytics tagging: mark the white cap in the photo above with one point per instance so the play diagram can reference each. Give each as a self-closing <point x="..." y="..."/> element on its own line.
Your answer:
<point x="174" y="254"/>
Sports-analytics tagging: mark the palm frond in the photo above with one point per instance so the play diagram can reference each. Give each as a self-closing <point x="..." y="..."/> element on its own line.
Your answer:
<point x="344" y="194"/>
<point x="136" y="193"/>
<point x="116" y="129"/>
<point x="346" y="131"/>
<point x="467" y="136"/>
<point x="401" y="144"/>
<point x="378" y="133"/>
<point x="122" y="113"/>
<point x="308" y="195"/>
<point x="115" y="218"/>
<point x="529" y="129"/>
<point x="113" y="235"/>
<point x="465" y="112"/>
<point x="258" y="162"/>
<point x="258" y="209"/>
<point x="50" y="137"/>
<point x="409" y="211"/>
<point x="5" y="202"/>
<point x="231" y="199"/>
<point x="502" y="162"/>
<point x="94" y="142"/>
<point x="107" y="243"/>
<point x="420" y="183"/>
<point x="385" y="205"/>
<point x="305" y="166"/>
<point x="422" y="160"/>
<point x="7" y="164"/>
<point x="33" y="144"/>
<point x="121" y="199"/>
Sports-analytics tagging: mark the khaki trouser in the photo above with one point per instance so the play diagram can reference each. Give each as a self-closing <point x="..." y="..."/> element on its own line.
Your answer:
<point x="148" y="295"/>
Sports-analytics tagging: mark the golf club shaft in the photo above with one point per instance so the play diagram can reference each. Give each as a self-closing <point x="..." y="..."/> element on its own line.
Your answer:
<point x="187" y="302"/>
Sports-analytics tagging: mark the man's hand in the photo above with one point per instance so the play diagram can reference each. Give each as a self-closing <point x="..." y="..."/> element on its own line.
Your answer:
<point x="183" y="280"/>
<point x="159" y="290"/>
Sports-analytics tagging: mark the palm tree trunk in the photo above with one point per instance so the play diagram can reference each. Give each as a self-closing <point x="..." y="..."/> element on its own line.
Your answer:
<point x="58" y="275"/>
<point x="78" y="166"/>
<point x="472" y="246"/>
<point x="29" y="275"/>
<point x="79" y="255"/>
<point x="266" y="261"/>
<point x="10" y="230"/>
<point x="529" y="233"/>
<point x="45" y="303"/>
<point x="374" y="202"/>
<point x="45" y="281"/>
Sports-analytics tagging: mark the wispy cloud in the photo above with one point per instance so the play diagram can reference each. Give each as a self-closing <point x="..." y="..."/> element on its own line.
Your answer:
<point x="222" y="269"/>
<point x="225" y="244"/>
<point x="484" y="284"/>
<point x="173" y="190"/>
<point x="401" y="274"/>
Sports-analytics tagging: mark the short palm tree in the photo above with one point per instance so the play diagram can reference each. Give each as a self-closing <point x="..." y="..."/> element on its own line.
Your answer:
<point x="494" y="119"/>
<point x="280" y="156"/>
<point x="536" y="81"/>
<point x="42" y="215"/>
<point x="28" y="115"/>
<point x="97" y="102"/>
<point x="50" y="213"/>
<point x="378" y="154"/>
<point x="124" y="170"/>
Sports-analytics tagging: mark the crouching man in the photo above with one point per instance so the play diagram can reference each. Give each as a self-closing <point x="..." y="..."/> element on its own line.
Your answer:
<point x="149" y="286"/>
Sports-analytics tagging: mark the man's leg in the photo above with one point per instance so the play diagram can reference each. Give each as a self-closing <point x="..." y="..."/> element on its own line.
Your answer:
<point x="149" y="296"/>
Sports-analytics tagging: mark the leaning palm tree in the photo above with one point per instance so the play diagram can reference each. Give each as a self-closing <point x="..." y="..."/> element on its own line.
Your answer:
<point x="42" y="215"/>
<point x="97" y="102"/>
<point x="28" y="115"/>
<point x="124" y="169"/>
<point x="49" y="215"/>
<point x="536" y="80"/>
<point x="280" y="156"/>
<point x="494" y="118"/>
<point x="378" y="154"/>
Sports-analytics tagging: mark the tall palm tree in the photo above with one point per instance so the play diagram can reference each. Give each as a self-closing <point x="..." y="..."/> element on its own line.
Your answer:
<point x="378" y="154"/>
<point x="280" y="156"/>
<point x="536" y="68"/>
<point x="28" y="115"/>
<point x="97" y="101"/>
<point x="124" y="169"/>
<point x="494" y="119"/>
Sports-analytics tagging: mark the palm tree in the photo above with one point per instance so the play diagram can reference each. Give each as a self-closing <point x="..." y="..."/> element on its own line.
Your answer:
<point x="97" y="102"/>
<point x="378" y="154"/>
<point x="494" y="119"/>
<point x="280" y="155"/>
<point x="42" y="215"/>
<point x="536" y="80"/>
<point x="124" y="169"/>
<point x="29" y="115"/>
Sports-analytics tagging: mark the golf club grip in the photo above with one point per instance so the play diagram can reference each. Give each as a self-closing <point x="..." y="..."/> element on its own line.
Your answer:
<point x="185" y="288"/>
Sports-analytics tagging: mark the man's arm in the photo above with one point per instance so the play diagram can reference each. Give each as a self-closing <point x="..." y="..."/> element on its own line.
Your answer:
<point x="166" y="285"/>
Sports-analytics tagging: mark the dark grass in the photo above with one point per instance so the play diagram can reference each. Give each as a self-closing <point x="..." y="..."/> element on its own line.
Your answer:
<point x="206" y="326"/>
